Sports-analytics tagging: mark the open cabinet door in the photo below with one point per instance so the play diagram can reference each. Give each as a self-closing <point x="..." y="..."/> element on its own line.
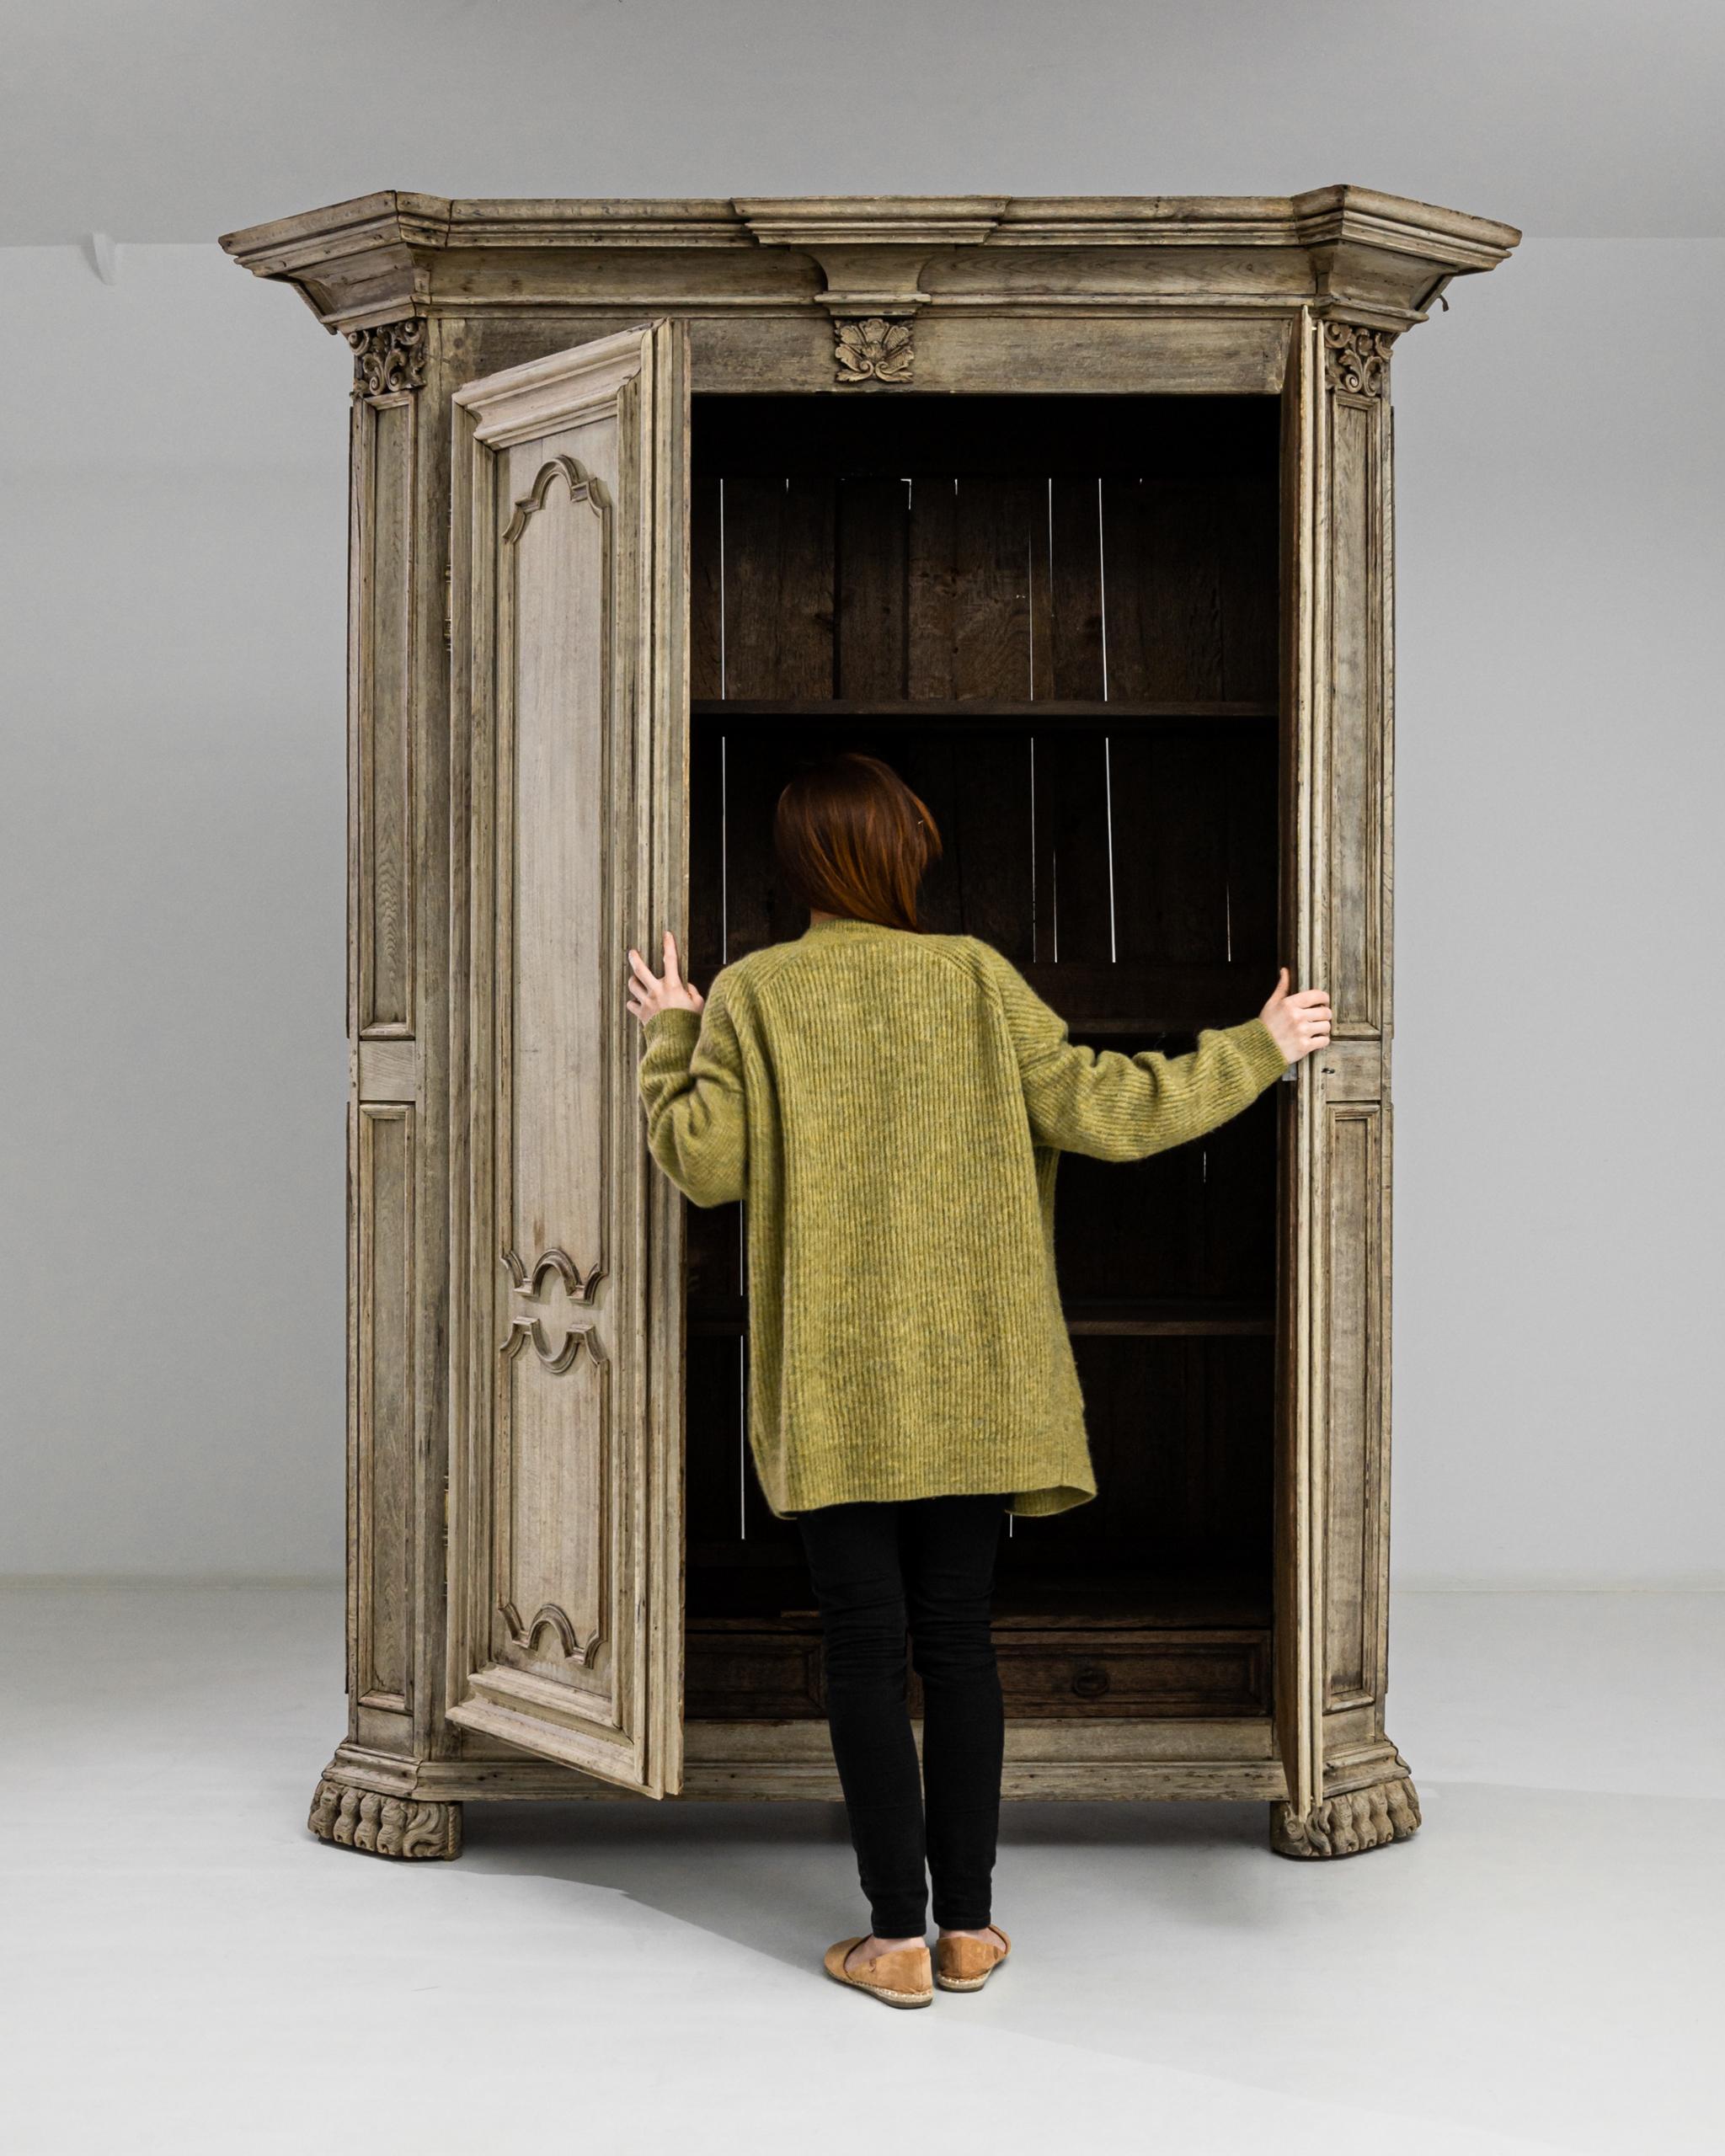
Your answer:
<point x="1298" y="1543"/>
<point x="568" y="635"/>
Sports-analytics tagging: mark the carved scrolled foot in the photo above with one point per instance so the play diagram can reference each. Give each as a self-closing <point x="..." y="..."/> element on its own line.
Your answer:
<point x="1343" y="1826"/>
<point x="385" y="1826"/>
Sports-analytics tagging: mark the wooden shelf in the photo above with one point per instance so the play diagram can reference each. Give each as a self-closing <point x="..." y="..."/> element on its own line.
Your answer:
<point x="1134" y="1003"/>
<point x="1147" y="1000"/>
<point x="981" y="711"/>
<point x="1197" y="1319"/>
<point x="1160" y="1317"/>
<point x="737" y="1585"/>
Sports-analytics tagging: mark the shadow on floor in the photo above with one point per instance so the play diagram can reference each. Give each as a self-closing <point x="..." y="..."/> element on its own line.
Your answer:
<point x="779" y="1879"/>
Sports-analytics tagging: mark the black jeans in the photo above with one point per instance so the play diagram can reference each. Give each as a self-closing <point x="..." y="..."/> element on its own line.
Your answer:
<point x="925" y="1566"/>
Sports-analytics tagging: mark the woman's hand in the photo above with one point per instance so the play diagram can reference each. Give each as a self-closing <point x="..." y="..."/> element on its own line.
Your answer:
<point x="1297" y="1023"/>
<point x="649" y="995"/>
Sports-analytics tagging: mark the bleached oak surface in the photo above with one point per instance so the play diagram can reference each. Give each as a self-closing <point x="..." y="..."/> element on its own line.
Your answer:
<point x="514" y="1540"/>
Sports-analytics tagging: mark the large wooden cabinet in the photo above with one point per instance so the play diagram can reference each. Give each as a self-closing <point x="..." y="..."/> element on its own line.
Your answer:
<point x="1077" y="510"/>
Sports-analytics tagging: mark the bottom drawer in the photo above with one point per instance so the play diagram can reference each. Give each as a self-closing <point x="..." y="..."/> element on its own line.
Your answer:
<point x="740" y="1670"/>
<point x="734" y="1671"/>
<point x="1050" y="1674"/>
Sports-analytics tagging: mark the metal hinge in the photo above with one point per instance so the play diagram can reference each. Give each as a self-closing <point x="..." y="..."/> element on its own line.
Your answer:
<point x="446" y="1515"/>
<point x="448" y="607"/>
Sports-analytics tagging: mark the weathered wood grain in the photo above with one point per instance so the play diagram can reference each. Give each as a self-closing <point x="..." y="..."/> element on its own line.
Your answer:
<point x="566" y="1604"/>
<point x="995" y="554"/>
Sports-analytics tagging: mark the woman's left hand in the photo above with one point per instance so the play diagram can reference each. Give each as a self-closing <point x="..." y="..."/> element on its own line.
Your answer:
<point x="649" y="995"/>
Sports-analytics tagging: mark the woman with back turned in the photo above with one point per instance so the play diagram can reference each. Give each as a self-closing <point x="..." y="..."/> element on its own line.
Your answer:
<point x="892" y="1105"/>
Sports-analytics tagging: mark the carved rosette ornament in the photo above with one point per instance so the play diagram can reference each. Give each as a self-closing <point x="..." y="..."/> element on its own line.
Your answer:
<point x="385" y="1826"/>
<point x="1343" y="1826"/>
<point x="1355" y="357"/>
<point x="389" y="358"/>
<point x="872" y="348"/>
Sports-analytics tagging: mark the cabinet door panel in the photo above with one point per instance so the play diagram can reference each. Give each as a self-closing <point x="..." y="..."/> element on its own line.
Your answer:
<point x="1355" y="1305"/>
<point x="566" y="1498"/>
<point x="383" y="1404"/>
<point x="1355" y="793"/>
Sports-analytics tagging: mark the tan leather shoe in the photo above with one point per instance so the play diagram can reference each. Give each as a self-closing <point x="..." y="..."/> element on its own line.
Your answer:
<point x="967" y="1964"/>
<point x="900" y="1978"/>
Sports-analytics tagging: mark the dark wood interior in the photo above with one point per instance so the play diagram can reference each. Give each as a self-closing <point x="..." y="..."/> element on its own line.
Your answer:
<point x="1057" y="617"/>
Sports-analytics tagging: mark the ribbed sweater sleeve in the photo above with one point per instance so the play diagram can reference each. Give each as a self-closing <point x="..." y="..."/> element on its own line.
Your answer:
<point x="691" y="1086"/>
<point x="1124" y="1107"/>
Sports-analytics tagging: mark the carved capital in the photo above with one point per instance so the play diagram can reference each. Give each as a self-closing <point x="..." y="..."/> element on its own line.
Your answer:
<point x="1343" y="1826"/>
<point x="872" y="348"/>
<point x="385" y="1826"/>
<point x="1355" y="357"/>
<point x="390" y="358"/>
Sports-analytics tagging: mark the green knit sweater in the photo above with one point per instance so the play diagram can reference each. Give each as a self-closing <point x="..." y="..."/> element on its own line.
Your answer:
<point x="892" y="1106"/>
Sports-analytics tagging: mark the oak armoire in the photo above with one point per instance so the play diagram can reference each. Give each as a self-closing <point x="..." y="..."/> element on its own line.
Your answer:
<point x="1078" y="511"/>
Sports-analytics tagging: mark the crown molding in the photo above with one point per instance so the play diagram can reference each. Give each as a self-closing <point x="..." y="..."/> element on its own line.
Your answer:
<point x="871" y="250"/>
<point x="927" y="221"/>
<point x="1381" y="260"/>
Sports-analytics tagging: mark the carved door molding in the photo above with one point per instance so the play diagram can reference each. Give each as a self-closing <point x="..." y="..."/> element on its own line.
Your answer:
<point x="569" y="549"/>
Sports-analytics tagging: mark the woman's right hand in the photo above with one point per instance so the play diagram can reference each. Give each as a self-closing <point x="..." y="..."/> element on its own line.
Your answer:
<point x="1297" y="1023"/>
<point x="648" y="995"/>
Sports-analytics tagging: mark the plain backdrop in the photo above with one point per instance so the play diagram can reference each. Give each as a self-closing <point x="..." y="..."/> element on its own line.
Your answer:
<point x="172" y="470"/>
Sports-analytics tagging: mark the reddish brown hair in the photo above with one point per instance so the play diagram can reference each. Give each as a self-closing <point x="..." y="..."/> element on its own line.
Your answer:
<point x="853" y="840"/>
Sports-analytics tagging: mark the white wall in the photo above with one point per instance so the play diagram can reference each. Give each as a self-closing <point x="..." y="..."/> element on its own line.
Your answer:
<point x="1560" y="773"/>
<point x="172" y="575"/>
<point x="177" y="122"/>
<point x="172" y="454"/>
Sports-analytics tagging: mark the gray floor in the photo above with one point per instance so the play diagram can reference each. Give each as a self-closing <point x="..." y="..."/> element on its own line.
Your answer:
<point x="187" y="1971"/>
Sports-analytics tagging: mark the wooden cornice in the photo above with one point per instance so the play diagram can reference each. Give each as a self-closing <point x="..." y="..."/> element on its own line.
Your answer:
<point x="356" y="263"/>
<point x="1377" y="259"/>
